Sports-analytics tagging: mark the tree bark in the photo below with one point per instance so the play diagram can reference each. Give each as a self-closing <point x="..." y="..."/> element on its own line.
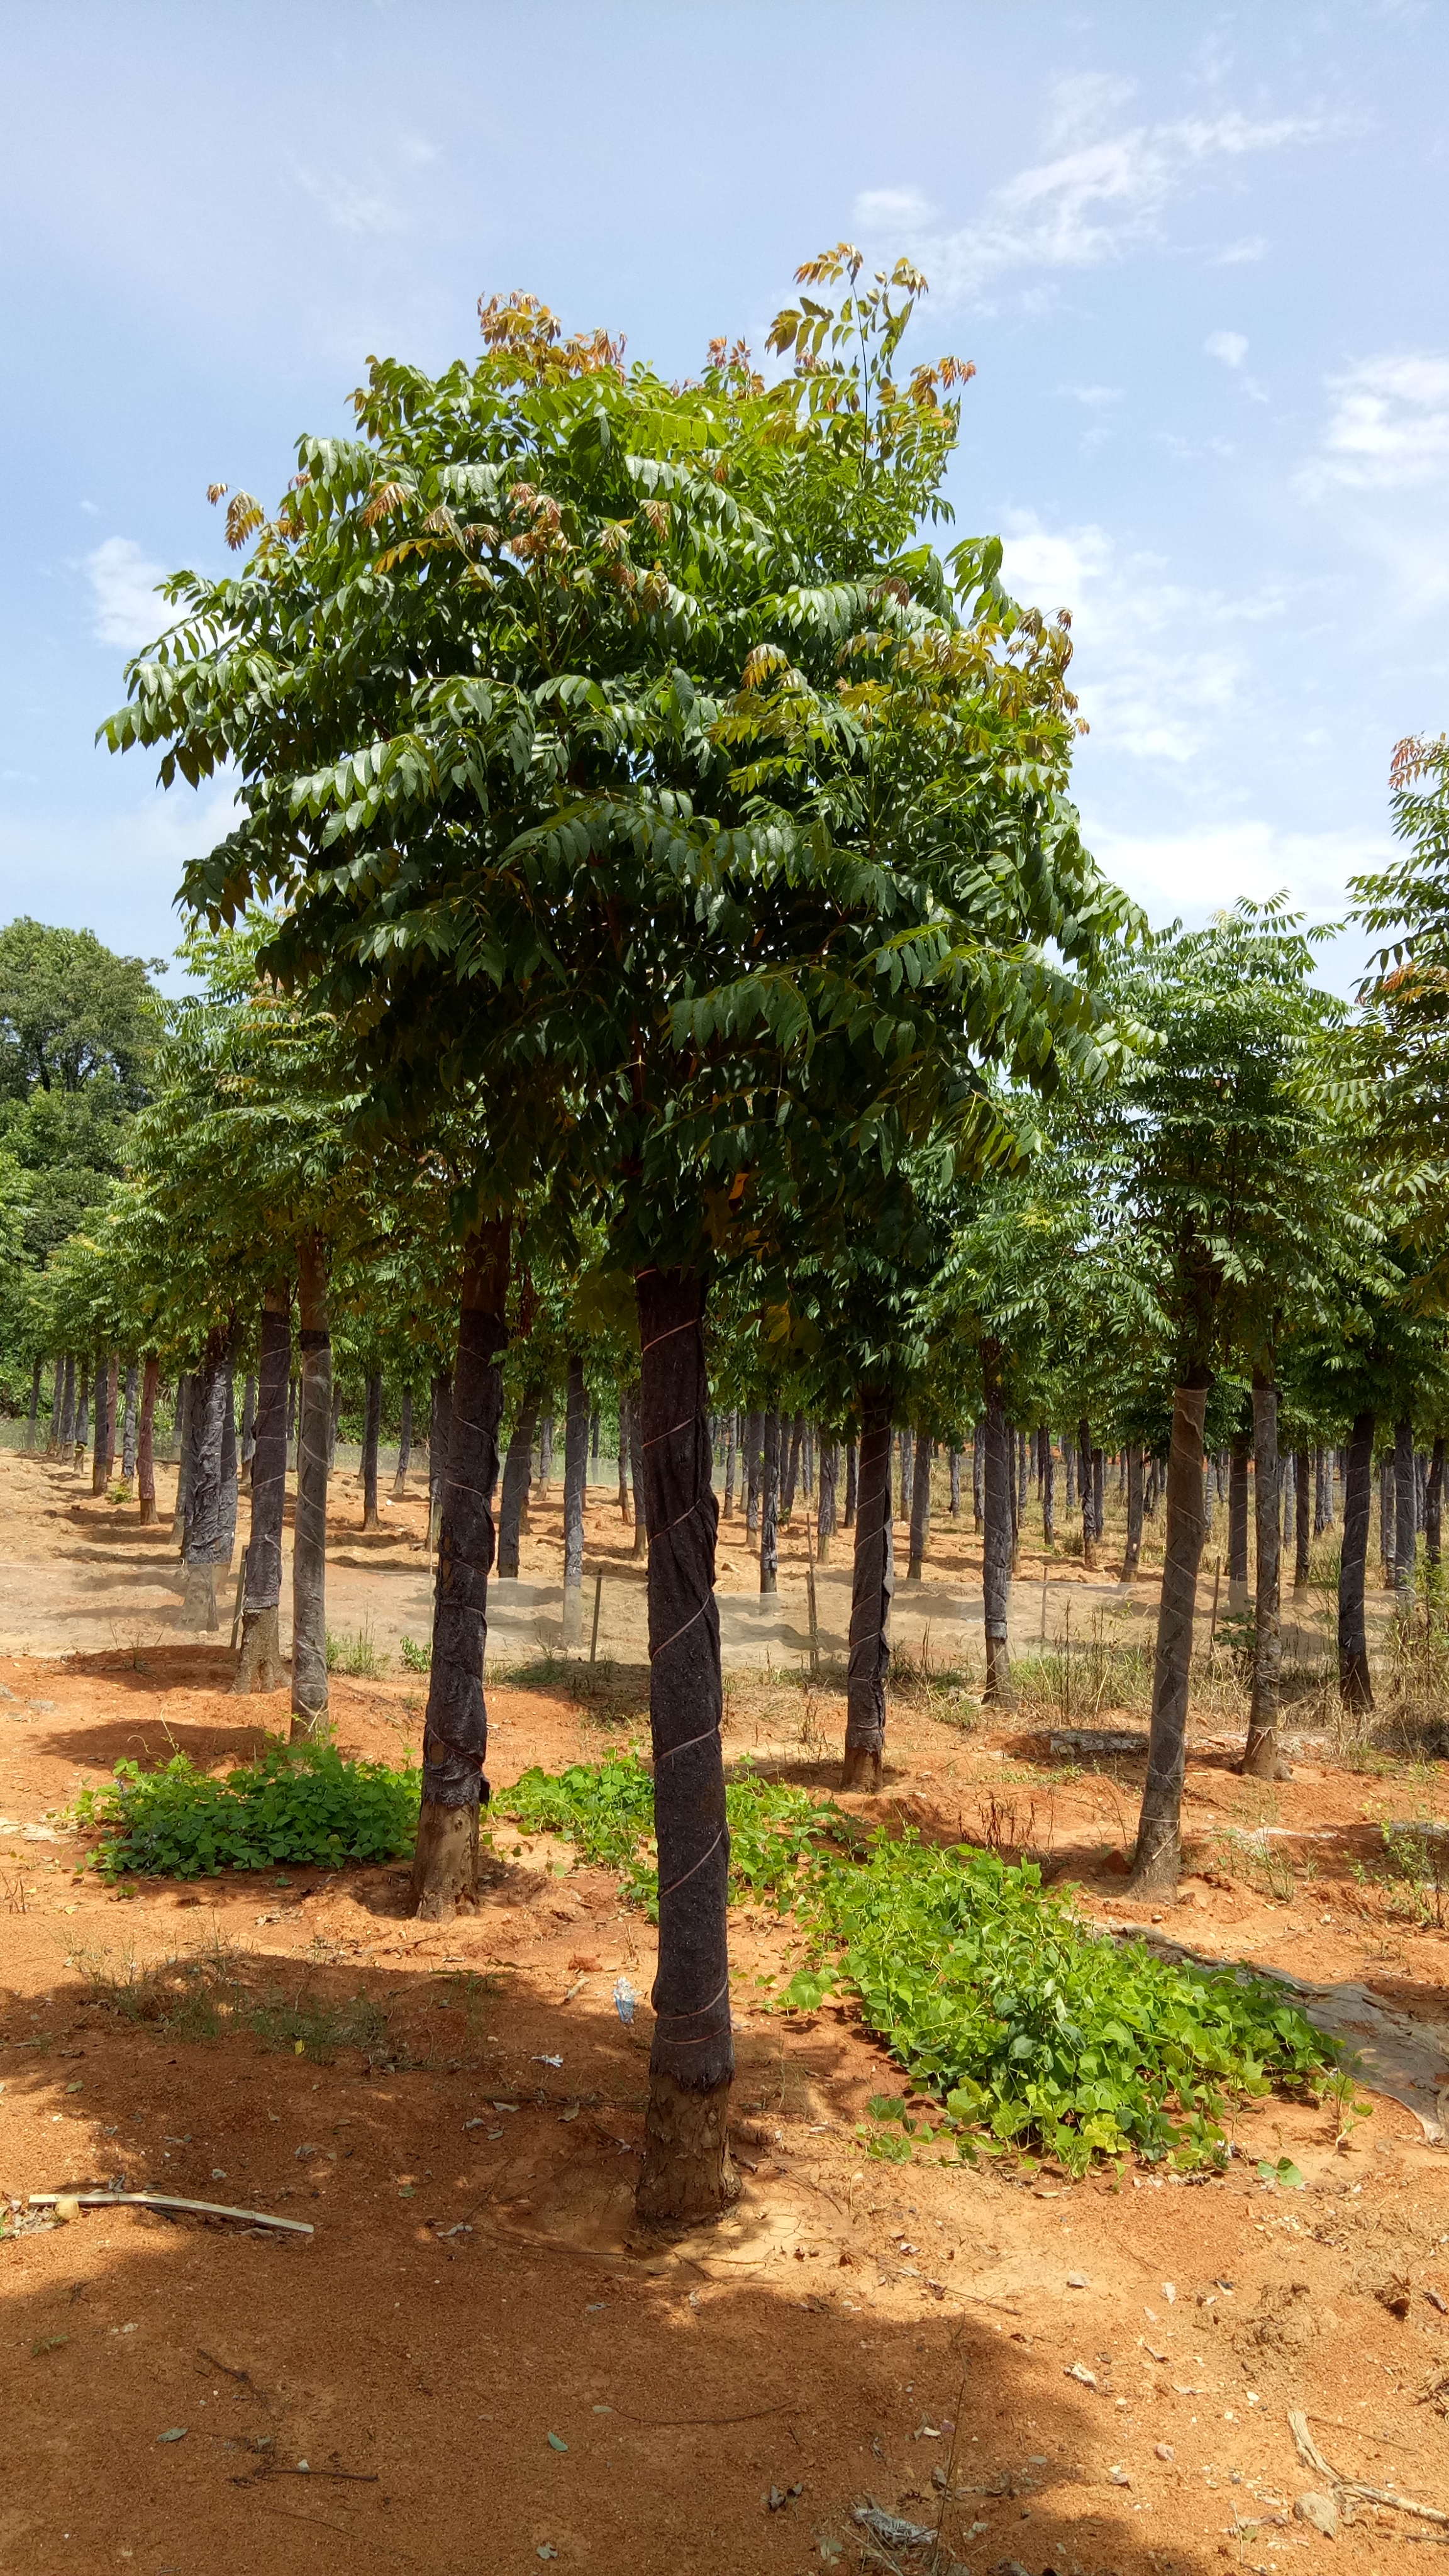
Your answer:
<point x="1085" y="1493"/>
<point x="687" y="2173"/>
<point x="455" y="1731"/>
<point x="371" y="1434"/>
<point x="1434" y="1502"/>
<point x="790" y="1477"/>
<point x="996" y="1550"/>
<point x="1260" y="1754"/>
<point x="852" y="1472"/>
<point x="1354" y="1684"/>
<point x="128" y="1428"/>
<point x="623" y="1457"/>
<point x="1238" y="1526"/>
<point x="248" y="1430"/>
<point x="907" y="1478"/>
<point x="309" y="1534"/>
<point x="62" y="1409"/>
<point x="98" y="1453"/>
<point x="404" y="1445"/>
<point x="227" y="1487"/>
<point x="439" y="1425"/>
<point x="636" y="1472"/>
<point x="185" y="1413"/>
<point x="1406" y="1515"/>
<point x="955" y="1484"/>
<point x="731" y="1419"/>
<point x="920" y="1509"/>
<point x="517" y="1472"/>
<point x="204" y="1517"/>
<point x="1386" y="1523"/>
<point x="260" y="1666"/>
<point x="32" y="1420"/>
<point x="825" y="1515"/>
<point x="1048" y="1487"/>
<point x="770" y="1500"/>
<point x="576" y="1468"/>
<point x="754" y="1467"/>
<point x="1159" y="1835"/>
<point x="872" y="1587"/>
<point x="146" y="1444"/>
<point x="978" y="1474"/>
<point x="1099" y="1498"/>
<point x="1133" y="1555"/>
<point x="1302" y="1512"/>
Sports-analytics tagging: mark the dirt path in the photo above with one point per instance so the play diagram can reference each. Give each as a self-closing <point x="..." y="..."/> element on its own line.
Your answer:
<point x="483" y="2363"/>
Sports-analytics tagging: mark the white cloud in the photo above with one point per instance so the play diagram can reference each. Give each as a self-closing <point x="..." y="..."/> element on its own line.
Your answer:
<point x="1229" y="347"/>
<point x="347" y="208"/>
<point x="1199" y="872"/>
<point x="891" y="210"/>
<point x="1102" y="193"/>
<point x="1388" y="430"/>
<point x="1238" y="253"/>
<point x="123" y="590"/>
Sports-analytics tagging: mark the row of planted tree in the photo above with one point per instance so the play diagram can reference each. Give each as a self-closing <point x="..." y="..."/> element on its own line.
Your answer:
<point x="654" y="940"/>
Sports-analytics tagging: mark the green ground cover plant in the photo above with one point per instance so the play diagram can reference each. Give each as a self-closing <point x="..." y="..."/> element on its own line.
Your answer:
<point x="302" y="1804"/>
<point x="1027" y="2031"/>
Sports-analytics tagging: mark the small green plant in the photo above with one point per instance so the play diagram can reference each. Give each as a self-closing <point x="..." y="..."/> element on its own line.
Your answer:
<point x="1284" y="2173"/>
<point x="416" y="1659"/>
<point x="303" y="1804"/>
<point x="356" y="1655"/>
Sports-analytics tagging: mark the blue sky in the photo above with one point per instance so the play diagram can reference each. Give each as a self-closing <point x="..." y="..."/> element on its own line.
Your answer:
<point x="1196" y="254"/>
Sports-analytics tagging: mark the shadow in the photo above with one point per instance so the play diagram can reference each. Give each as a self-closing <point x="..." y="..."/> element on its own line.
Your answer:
<point x="150" y="1738"/>
<point x="631" y="2402"/>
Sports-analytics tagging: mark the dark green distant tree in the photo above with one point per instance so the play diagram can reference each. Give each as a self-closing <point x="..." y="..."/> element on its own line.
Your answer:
<point x="77" y="1026"/>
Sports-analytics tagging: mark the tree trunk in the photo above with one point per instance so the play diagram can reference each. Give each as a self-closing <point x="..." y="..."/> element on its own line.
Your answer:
<point x="1159" y="1839"/>
<point x="1238" y="1526"/>
<point x="807" y="1461"/>
<point x="636" y="1472"/>
<point x="790" y="1474"/>
<point x="545" y="1455"/>
<point x="146" y="1444"/>
<point x="517" y="1472"/>
<point x="1434" y="1502"/>
<point x="309" y="1534"/>
<point x="594" y="1437"/>
<point x="204" y="1518"/>
<point x="404" y="1445"/>
<point x="903" y="1441"/>
<point x="1069" y="1461"/>
<point x="1260" y="1754"/>
<point x="260" y="1666"/>
<point x="1133" y="1554"/>
<point x="128" y="1428"/>
<point x="1048" y="1487"/>
<point x="576" y="1468"/>
<point x="1023" y="1480"/>
<point x="955" y="1484"/>
<point x="770" y="1501"/>
<point x="1355" y="1687"/>
<point x="248" y="1431"/>
<point x="1320" y="1494"/>
<point x="292" y="1424"/>
<point x="872" y="1587"/>
<point x="978" y="1475"/>
<point x="455" y="1730"/>
<point x="1302" y="1510"/>
<point x="1085" y="1495"/>
<point x="1099" y="1498"/>
<point x="63" y="1410"/>
<point x="825" y="1516"/>
<point x="920" y="1510"/>
<point x="1386" y="1523"/>
<point x="996" y="1551"/>
<point x="98" y="1453"/>
<point x="334" y="1426"/>
<point x="687" y="2173"/>
<point x="1405" y="1520"/>
<point x="439" y="1427"/>
<point x="185" y="1412"/>
<point x="851" y="1481"/>
<point x="32" y="1420"/>
<point x="731" y="1420"/>
<point x="228" y="1479"/>
<point x="622" y="1462"/>
<point x="371" y="1434"/>
<point x="754" y="1464"/>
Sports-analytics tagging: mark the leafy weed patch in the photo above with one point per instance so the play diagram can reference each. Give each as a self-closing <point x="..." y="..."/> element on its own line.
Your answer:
<point x="303" y="1806"/>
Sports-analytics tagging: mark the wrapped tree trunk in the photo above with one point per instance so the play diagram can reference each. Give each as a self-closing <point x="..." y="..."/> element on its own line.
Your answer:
<point x="955" y="1484"/>
<point x="1085" y="1492"/>
<point x="687" y="2172"/>
<point x="1099" y="1499"/>
<point x="851" y="1479"/>
<point x="248" y="1431"/>
<point x="1405" y="1520"/>
<point x="731" y="1419"/>
<point x="997" y="1544"/>
<point x="309" y="1534"/>
<point x="576" y="1468"/>
<point x="455" y="1731"/>
<point x="98" y="1453"/>
<point x="1260" y="1754"/>
<point x="1434" y="1502"/>
<point x="1159" y="1834"/>
<point x="128" y="1427"/>
<point x="790" y="1477"/>
<point x="517" y="1472"/>
<point x="1133" y="1554"/>
<point x="770" y="1501"/>
<point x="1069" y="1461"/>
<point x="1302" y="1511"/>
<point x="63" y="1410"/>
<point x="872" y="1588"/>
<point x="754" y="1467"/>
<point x="260" y="1666"/>
<point x="146" y="1444"/>
<point x="1320" y="1492"/>
<point x="807" y="1460"/>
<point x="32" y="1420"/>
<point x="825" y="1515"/>
<point x="636" y="1472"/>
<point x="1238" y="1527"/>
<point x="1386" y="1523"/>
<point x="1023" y="1474"/>
<point x="439" y="1424"/>
<point x="920" y="1509"/>
<point x="978" y="1475"/>
<point x="1048" y="1488"/>
<point x="404" y="1445"/>
<point x="293" y="1426"/>
<point x="545" y="1456"/>
<point x="228" y="1485"/>
<point x="371" y="1434"/>
<point x="1354" y="1685"/>
<point x="204" y="1511"/>
<point x="184" y="1425"/>
<point x="623" y="1457"/>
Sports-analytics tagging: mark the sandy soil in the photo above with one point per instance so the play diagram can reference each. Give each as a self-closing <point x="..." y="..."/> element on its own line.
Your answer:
<point x="479" y="2357"/>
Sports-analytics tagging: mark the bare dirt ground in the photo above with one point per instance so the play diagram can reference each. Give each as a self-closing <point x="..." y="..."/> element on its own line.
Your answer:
<point x="480" y="2359"/>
